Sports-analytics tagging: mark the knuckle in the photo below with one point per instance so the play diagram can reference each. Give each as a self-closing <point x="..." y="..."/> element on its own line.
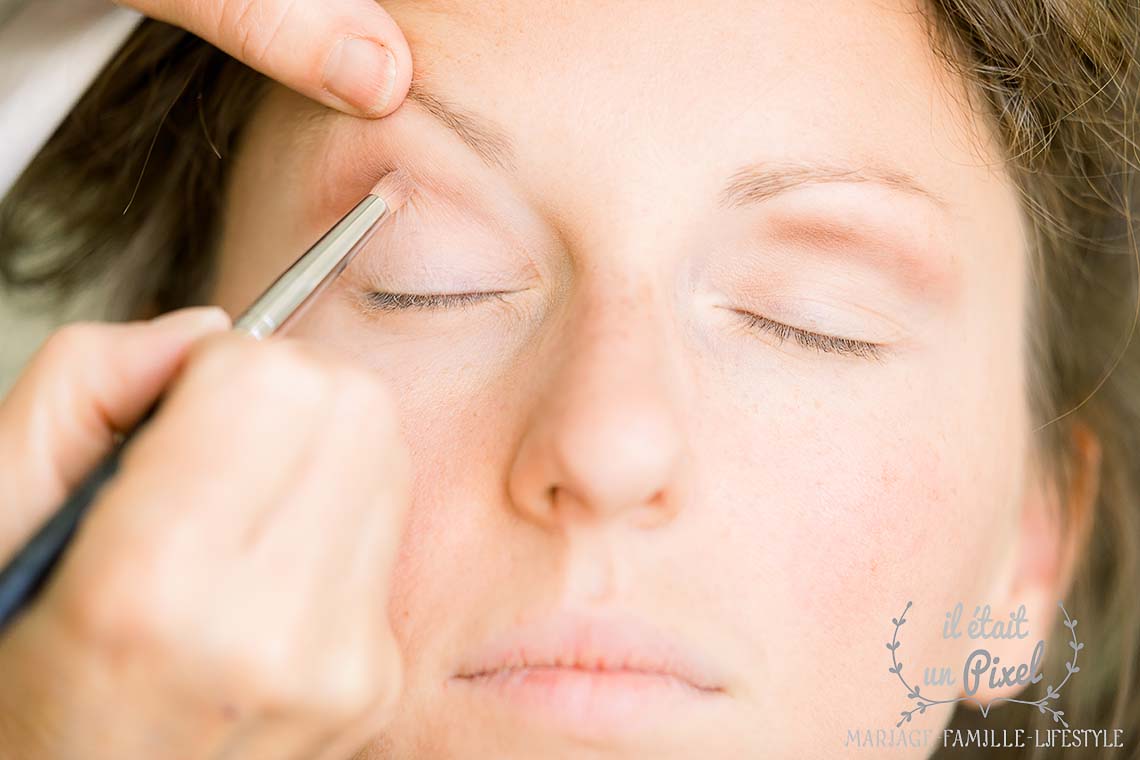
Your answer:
<point x="346" y="688"/>
<point x="364" y="393"/>
<point x="114" y="609"/>
<point x="214" y="356"/>
<point x="369" y="413"/>
<point x="275" y="678"/>
<point x="281" y="371"/>
<point x="67" y="344"/>
<point x="253" y="27"/>
<point x="237" y="22"/>
<point x="258" y="677"/>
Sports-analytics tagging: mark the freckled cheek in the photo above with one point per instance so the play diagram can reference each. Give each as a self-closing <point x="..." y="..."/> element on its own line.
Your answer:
<point x="878" y="506"/>
<point x="846" y="519"/>
<point x="916" y="504"/>
<point x="850" y="508"/>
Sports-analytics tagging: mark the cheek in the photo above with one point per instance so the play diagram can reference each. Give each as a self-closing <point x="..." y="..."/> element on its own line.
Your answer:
<point x="839" y="507"/>
<point x="454" y="430"/>
<point x="860" y="481"/>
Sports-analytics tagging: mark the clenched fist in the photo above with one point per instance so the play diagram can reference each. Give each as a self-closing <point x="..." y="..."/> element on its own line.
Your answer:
<point x="226" y="596"/>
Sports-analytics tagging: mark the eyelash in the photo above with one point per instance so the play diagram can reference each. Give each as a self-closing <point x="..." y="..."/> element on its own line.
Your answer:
<point x="385" y="301"/>
<point x="828" y="344"/>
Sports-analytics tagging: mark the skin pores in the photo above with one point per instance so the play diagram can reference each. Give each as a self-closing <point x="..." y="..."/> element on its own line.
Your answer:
<point x="610" y="429"/>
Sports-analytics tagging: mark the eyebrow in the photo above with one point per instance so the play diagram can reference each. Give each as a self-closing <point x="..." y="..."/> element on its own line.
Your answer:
<point x="749" y="185"/>
<point x="756" y="183"/>
<point x="488" y="141"/>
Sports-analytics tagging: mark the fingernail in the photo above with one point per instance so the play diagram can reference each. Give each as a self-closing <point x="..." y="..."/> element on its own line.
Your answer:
<point x="199" y="319"/>
<point x="362" y="73"/>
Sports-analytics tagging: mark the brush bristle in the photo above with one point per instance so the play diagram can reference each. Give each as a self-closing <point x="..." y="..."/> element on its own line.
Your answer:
<point x="395" y="188"/>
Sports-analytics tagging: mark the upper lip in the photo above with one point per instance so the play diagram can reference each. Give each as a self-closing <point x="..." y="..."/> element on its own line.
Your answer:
<point x="611" y="641"/>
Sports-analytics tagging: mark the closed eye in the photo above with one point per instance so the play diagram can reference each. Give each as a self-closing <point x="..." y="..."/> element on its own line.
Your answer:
<point x="387" y="301"/>
<point x="384" y="301"/>
<point x="812" y="340"/>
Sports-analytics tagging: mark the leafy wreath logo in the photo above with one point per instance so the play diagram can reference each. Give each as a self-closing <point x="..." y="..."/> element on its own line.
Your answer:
<point x="922" y="702"/>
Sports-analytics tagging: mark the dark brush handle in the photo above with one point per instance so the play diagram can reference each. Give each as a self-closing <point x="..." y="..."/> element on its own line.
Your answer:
<point x="26" y="573"/>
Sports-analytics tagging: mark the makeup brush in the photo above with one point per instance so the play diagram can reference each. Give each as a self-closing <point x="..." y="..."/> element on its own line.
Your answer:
<point x="288" y="296"/>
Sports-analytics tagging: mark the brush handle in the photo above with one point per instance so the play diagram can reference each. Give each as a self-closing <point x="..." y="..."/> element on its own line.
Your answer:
<point x="27" y="572"/>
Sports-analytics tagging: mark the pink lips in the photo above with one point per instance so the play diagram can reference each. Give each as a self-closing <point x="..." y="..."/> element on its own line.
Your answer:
<point x="591" y="642"/>
<point x="593" y="673"/>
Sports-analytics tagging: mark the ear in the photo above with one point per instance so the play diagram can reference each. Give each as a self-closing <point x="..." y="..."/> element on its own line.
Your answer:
<point x="1052" y="534"/>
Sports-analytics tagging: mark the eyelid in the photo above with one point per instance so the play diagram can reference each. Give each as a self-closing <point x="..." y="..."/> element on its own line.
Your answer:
<point x="815" y="341"/>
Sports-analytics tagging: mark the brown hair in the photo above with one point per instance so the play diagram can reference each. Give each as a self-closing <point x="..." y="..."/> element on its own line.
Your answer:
<point x="130" y="187"/>
<point x="1060" y="81"/>
<point x="142" y="161"/>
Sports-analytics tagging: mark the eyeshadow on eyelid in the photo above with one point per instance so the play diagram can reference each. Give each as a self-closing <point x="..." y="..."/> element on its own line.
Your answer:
<point x="918" y="265"/>
<point x="422" y="252"/>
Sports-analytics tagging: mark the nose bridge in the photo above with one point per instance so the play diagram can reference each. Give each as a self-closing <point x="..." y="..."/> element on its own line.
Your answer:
<point x="606" y="438"/>
<point x="618" y="342"/>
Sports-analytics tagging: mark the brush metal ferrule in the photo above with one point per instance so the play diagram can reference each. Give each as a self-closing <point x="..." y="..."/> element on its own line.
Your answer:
<point x="314" y="270"/>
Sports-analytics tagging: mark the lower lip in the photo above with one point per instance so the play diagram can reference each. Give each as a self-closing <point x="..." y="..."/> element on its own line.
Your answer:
<point x="593" y="702"/>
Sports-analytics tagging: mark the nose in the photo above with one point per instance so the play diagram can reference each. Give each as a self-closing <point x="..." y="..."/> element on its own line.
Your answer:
<point x="604" y="440"/>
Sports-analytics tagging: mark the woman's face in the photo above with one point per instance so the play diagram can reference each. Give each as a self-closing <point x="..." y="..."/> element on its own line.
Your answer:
<point x="736" y="354"/>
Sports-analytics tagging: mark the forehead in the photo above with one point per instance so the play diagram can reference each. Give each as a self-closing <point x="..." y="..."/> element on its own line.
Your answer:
<point x="683" y="89"/>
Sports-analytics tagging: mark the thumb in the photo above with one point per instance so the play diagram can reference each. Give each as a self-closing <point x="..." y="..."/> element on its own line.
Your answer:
<point x="88" y="382"/>
<point x="348" y="54"/>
